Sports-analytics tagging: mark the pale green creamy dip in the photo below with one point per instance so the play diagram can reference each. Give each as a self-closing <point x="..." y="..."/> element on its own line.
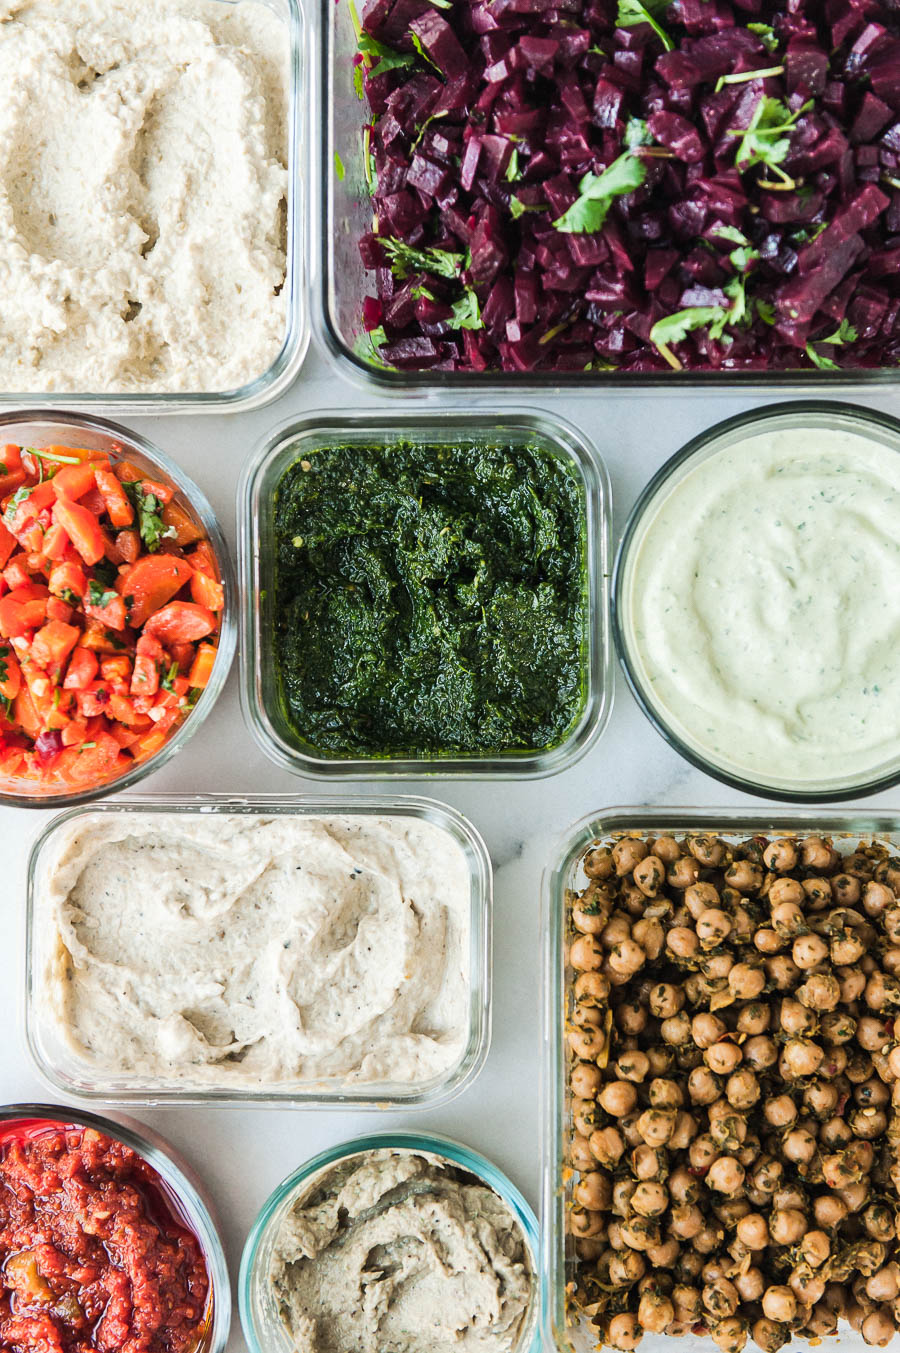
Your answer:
<point x="762" y="607"/>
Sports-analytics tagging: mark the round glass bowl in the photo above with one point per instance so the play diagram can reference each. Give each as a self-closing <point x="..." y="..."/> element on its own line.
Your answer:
<point x="185" y="1196"/>
<point x="757" y="679"/>
<point x="264" y="1330"/>
<point x="43" y="428"/>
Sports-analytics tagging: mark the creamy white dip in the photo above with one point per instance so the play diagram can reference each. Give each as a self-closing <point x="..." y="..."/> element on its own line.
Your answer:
<point x="238" y="951"/>
<point x="401" y="1251"/>
<point x="762" y="609"/>
<point x="143" y="182"/>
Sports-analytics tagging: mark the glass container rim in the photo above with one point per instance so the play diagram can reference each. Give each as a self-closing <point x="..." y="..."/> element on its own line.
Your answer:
<point x="436" y="1144"/>
<point x="561" y="438"/>
<point x="200" y="504"/>
<point x="281" y="372"/>
<point x="567" y="846"/>
<point x="428" y="383"/>
<point x="419" y="807"/>
<point x="180" y="1176"/>
<point x="722" y="432"/>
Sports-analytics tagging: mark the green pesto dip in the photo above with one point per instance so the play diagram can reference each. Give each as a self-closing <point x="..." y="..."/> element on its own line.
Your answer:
<point x="430" y="600"/>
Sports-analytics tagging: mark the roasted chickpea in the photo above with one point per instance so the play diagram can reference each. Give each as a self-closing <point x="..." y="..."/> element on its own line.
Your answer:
<point x="817" y="853"/>
<point x="753" y="1019"/>
<point x="649" y="874"/>
<point x="682" y="942"/>
<point x="760" y="1052"/>
<point x="618" y="1098"/>
<point x="872" y="1034"/>
<point x="723" y="1058"/>
<point x="868" y="1123"/>
<point x="809" y="951"/>
<point x="649" y="934"/>
<point x="655" y="1126"/>
<point x="746" y="982"/>
<point x="750" y="1284"/>
<point x="821" y="1099"/>
<point x="591" y="987"/>
<point x="742" y="1089"/>
<point x="666" y="1000"/>
<point x="626" y="1267"/>
<point x="798" y="1146"/>
<point x="699" y="897"/>
<point x="585" y="1080"/>
<point x="585" y="1223"/>
<point x="655" y="1312"/>
<point x="770" y="1335"/>
<point x="633" y="1065"/>
<point x="807" y="1285"/>
<point x="787" y="1225"/>
<point x="877" y="898"/>
<point x="703" y="1151"/>
<point x="820" y="991"/>
<point x="779" y="1303"/>
<point x="753" y="1231"/>
<point x="587" y="1041"/>
<point x="720" y="1297"/>
<point x="627" y="853"/>
<point x="834" y="1133"/>
<point x="782" y="972"/>
<point x="768" y="941"/>
<point x="726" y="1175"/>
<point x="684" y="1131"/>
<point x="878" y="1221"/>
<point x="627" y="957"/>
<point x="617" y="928"/>
<point x="665" y="1094"/>
<point x="703" y="1087"/>
<point x="846" y="949"/>
<point x="801" y="1057"/>
<point x="640" y="1232"/>
<point x="713" y="927"/>
<point x="594" y="1191"/>
<point x="878" y="1328"/>
<point x="677" y="1029"/>
<point x="884" y="1285"/>
<point x="788" y="919"/>
<point x="745" y="876"/>
<point x="664" y="1255"/>
<point x="815" y="1248"/>
<point x="650" y="1199"/>
<point x="707" y="1029"/>
<point x="624" y="1331"/>
<point x="607" y="1146"/>
<point x="586" y="953"/>
<point x="598" y="863"/>
<point x="682" y="872"/>
<point x="795" y="1019"/>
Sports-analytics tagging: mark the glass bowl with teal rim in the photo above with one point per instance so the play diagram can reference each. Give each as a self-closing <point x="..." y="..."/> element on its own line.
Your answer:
<point x="264" y="1329"/>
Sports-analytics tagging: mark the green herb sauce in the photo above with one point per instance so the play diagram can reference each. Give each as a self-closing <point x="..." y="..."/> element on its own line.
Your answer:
<point x="430" y="600"/>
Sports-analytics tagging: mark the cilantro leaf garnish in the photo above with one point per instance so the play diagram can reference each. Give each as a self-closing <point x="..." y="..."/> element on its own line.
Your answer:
<point x="637" y="133"/>
<point x="597" y="192"/>
<point x="745" y="76"/>
<point x="148" y="508"/>
<point x="69" y="597"/>
<point x="339" y="167"/>
<point x="466" y="314"/>
<point x="97" y="595"/>
<point x="673" y="328"/>
<point x="633" y="12"/>
<point x="167" y="680"/>
<point x="845" y="333"/>
<point x="744" y="254"/>
<point x="512" y="169"/>
<point x="417" y="43"/>
<point x="764" y="141"/>
<point x="766" y="34"/>
<point x="406" y="259"/>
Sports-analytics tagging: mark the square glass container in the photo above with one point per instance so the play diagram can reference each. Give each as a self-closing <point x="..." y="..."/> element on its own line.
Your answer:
<point x="57" y="1061"/>
<point x="281" y="373"/>
<point x="260" y="696"/>
<point x="341" y="213"/>
<point x="564" y="873"/>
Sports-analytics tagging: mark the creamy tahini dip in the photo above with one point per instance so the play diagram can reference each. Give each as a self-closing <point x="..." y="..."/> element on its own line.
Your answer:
<point x="401" y="1251"/>
<point x="763" y="606"/>
<point x="239" y="951"/>
<point x="143" y="189"/>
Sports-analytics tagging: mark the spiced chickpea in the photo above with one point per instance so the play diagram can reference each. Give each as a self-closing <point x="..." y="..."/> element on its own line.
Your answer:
<point x="682" y="872"/>
<point x="633" y="1065"/>
<point x="586" y="1042"/>
<point x="707" y="1029"/>
<point x="715" y="965"/>
<point x="872" y="1033"/>
<point x="884" y="1285"/>
<point x="618" y="1098"/>
<point x="846" y="949"/>
<point x="598" y="863"/>
<point x="677" y="1029"/>
<point x="742" y="1088"/>
<point x="820" y="992"/>
<point x="631" y="1017"/>
<point x="807" y="1285"/>
<point x="627" y="957"/>
<point x="834" y="1133"/>
<point x="768" y="941"/>
<point x="720" y="1297"/>
<point x="709" y="1239"/>
<point x="795" y="1019"/>
<point x="801" y="1057"/>
<point x="881" y="991"/>
<point x="666" y="1000"/>
<point x="664" y="1255"/>
<point x="649" y="934"/>
<point x="702" y="1151"/>
<point x="583" y="1222"/>
<point x="869" y="1124"/>
<point x="746" y="982"/>
<point x="725" y="1175"/>
<point x="877" y="898"/>
<point x="607" y="1146"/>
<point x="655" y="1312"/>
<point x="626" y="1267"/>
<point x="753" y="1019"/>
<point x="809" y="951"/>
<point x="661" y="1060"/>
<point x="821" y="1323"/>
<point x="815" y="1248"/>
<point x="682" y="942"/>
<point x="592" y="987"/>
<point x="782" y="972"/>
<point x="750" y="1284"/>
<point x="711" y="851"/>
<point x="821" y="1099"/>
<point x="713" y="927"/>
<point x="723" y="1058"/>
<point x="817" y="853"/>
<point x="655" y="1126"/>
<point x="787" y="918"/>
<point x="745" y="876"/>
<point x="590" y="1248"/>
<point x="780" y="1111"/>
<point x="594" y="1191"/>
<point x="624" y="1331"/>
<point x="760" y="1052"/>
<point x="699" y="897"/>
<point x="817" y="893"/>
<point x="586" y="953"/>
<point x="580" y="1155"/>
<point x="584" y="1015"/>
<point x="650" y="1199"/>
<point x="641" y="1232"/>
<point x="878" y="1222"/>
<point x="684" y="1131"/>
<point x="650" y="875"/>
<point x="787" y="1225"/>
<point x="617" y="928"/>
<point x="585" y="1116"/>
<point x="585" y="1080"/>
<point x="703" y="1088"/>
<point x="665" y="1094"/>
<point x="878" y="1328"/>
<point x="627" y="853"/>
<point x="798" y="1146"/>
<point x="753" y="1231"/>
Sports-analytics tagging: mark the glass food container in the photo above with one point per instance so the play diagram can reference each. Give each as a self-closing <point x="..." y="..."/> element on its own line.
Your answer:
<point x="341" y="212"/>
<point x="47" y="428"/>
<point x="58" y="1060"/>
<point x="564" y="873"/>
<point x="262" y="1324"/>
<point x="881" y="430"/>
<point x="260" y="696"/>
<point x="280" y="374"/>
<point x="185" y="1194"/>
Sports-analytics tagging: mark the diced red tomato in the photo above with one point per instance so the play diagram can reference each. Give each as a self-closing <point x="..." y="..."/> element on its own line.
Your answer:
<point x="82" y="528"/>
<point x="23" y="609"/>
<point x="53" y="643"/>
<point x="57" y="609"/>
<point x="94" y="699"/>
<point x="7" y="544"/>
<point x="116" y="501"/>
<point x="68" y="579"/>
<point x="83" y="668"/>
<point x="74" y="481"/>
<point x="207" y="592"/>
<point x="202" y="667"/>
<point x="110" y="613"/>
<point x="150" y="583"/>
<point x="164" y="492"/>
<point x="10" y="673"/>
<point x="17" y="573"/>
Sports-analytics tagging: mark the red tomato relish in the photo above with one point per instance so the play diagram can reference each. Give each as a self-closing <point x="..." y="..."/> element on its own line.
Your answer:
<point x="92" y="1256"/>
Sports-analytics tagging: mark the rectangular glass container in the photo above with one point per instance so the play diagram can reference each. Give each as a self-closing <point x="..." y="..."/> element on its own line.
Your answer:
<point x="259" y="685"/>
<point x="56" y="1059"/>
<point x="342" y="212"/>
<point x="564" y="873"/>
<point x="283" y="370"/>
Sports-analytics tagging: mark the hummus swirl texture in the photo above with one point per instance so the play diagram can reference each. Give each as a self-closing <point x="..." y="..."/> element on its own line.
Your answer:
<point x="143" y="183"/>
<point x="400" y="1251"/>
<point x="236" y="950"/>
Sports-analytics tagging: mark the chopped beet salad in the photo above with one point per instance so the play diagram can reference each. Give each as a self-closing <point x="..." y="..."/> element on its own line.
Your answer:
<point x="584" y="185"/>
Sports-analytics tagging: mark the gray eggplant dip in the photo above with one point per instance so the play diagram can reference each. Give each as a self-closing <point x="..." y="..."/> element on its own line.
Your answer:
<point x="393" y="1251"/>
<point x="240" y="951"/>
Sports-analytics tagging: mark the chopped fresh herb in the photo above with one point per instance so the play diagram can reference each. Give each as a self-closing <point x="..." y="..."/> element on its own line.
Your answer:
<point x="845" y="333"/>
<point x="466" y="314"/>
<point x="358" y="73"/>
<point x="51" y="455"/>
<point x="673" y="328"/>
<point x="387" y="58"/>
<point x="745" y="76"/>
<point x="766" y="33"/>
<point x="406" y="259"/>
<point x="597" y="192"/>
<point x="744" y="254"/>
<point x="518" y="208"/>
<point x="417" y="43"/>
<point x="763" y="141"/>
<point x="167" y="680"/>
<point x="637" y="133"/>
<point x="371" y="342"/>
<point x="85" y="745"/>
<point x="369" y="162"/>
<point x="194" y="695"/>
<point x="106" y="571"/>
<point x="148" y="508"/>
<point x="633" y="12"/>
<point x="765" y="310"/>
<point x="69" y="597"/>
<point x="512" y="169"/>
<point x="18" y="497"/>
<point x="339" y="167"/>
<point x="6" y="703"/>
<point x="96" y="596"/>
<point x="4" y="665"/>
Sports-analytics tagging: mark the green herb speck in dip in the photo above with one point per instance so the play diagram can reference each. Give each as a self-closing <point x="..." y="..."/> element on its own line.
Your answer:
<point x="430" y="599"/>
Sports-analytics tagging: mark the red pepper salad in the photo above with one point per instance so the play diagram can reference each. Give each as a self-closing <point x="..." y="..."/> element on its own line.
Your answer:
<point x="110" y="606"/>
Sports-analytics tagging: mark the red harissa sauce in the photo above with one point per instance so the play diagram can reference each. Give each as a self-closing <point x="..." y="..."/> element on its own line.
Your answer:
<point x="92" y="1254"/>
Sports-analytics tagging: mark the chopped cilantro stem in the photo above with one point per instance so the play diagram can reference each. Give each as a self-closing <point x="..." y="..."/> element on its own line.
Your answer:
<point x="52" y="455"/>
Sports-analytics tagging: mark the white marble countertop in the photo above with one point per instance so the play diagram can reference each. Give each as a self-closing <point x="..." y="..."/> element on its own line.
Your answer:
<point x="243" y="1153"/>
